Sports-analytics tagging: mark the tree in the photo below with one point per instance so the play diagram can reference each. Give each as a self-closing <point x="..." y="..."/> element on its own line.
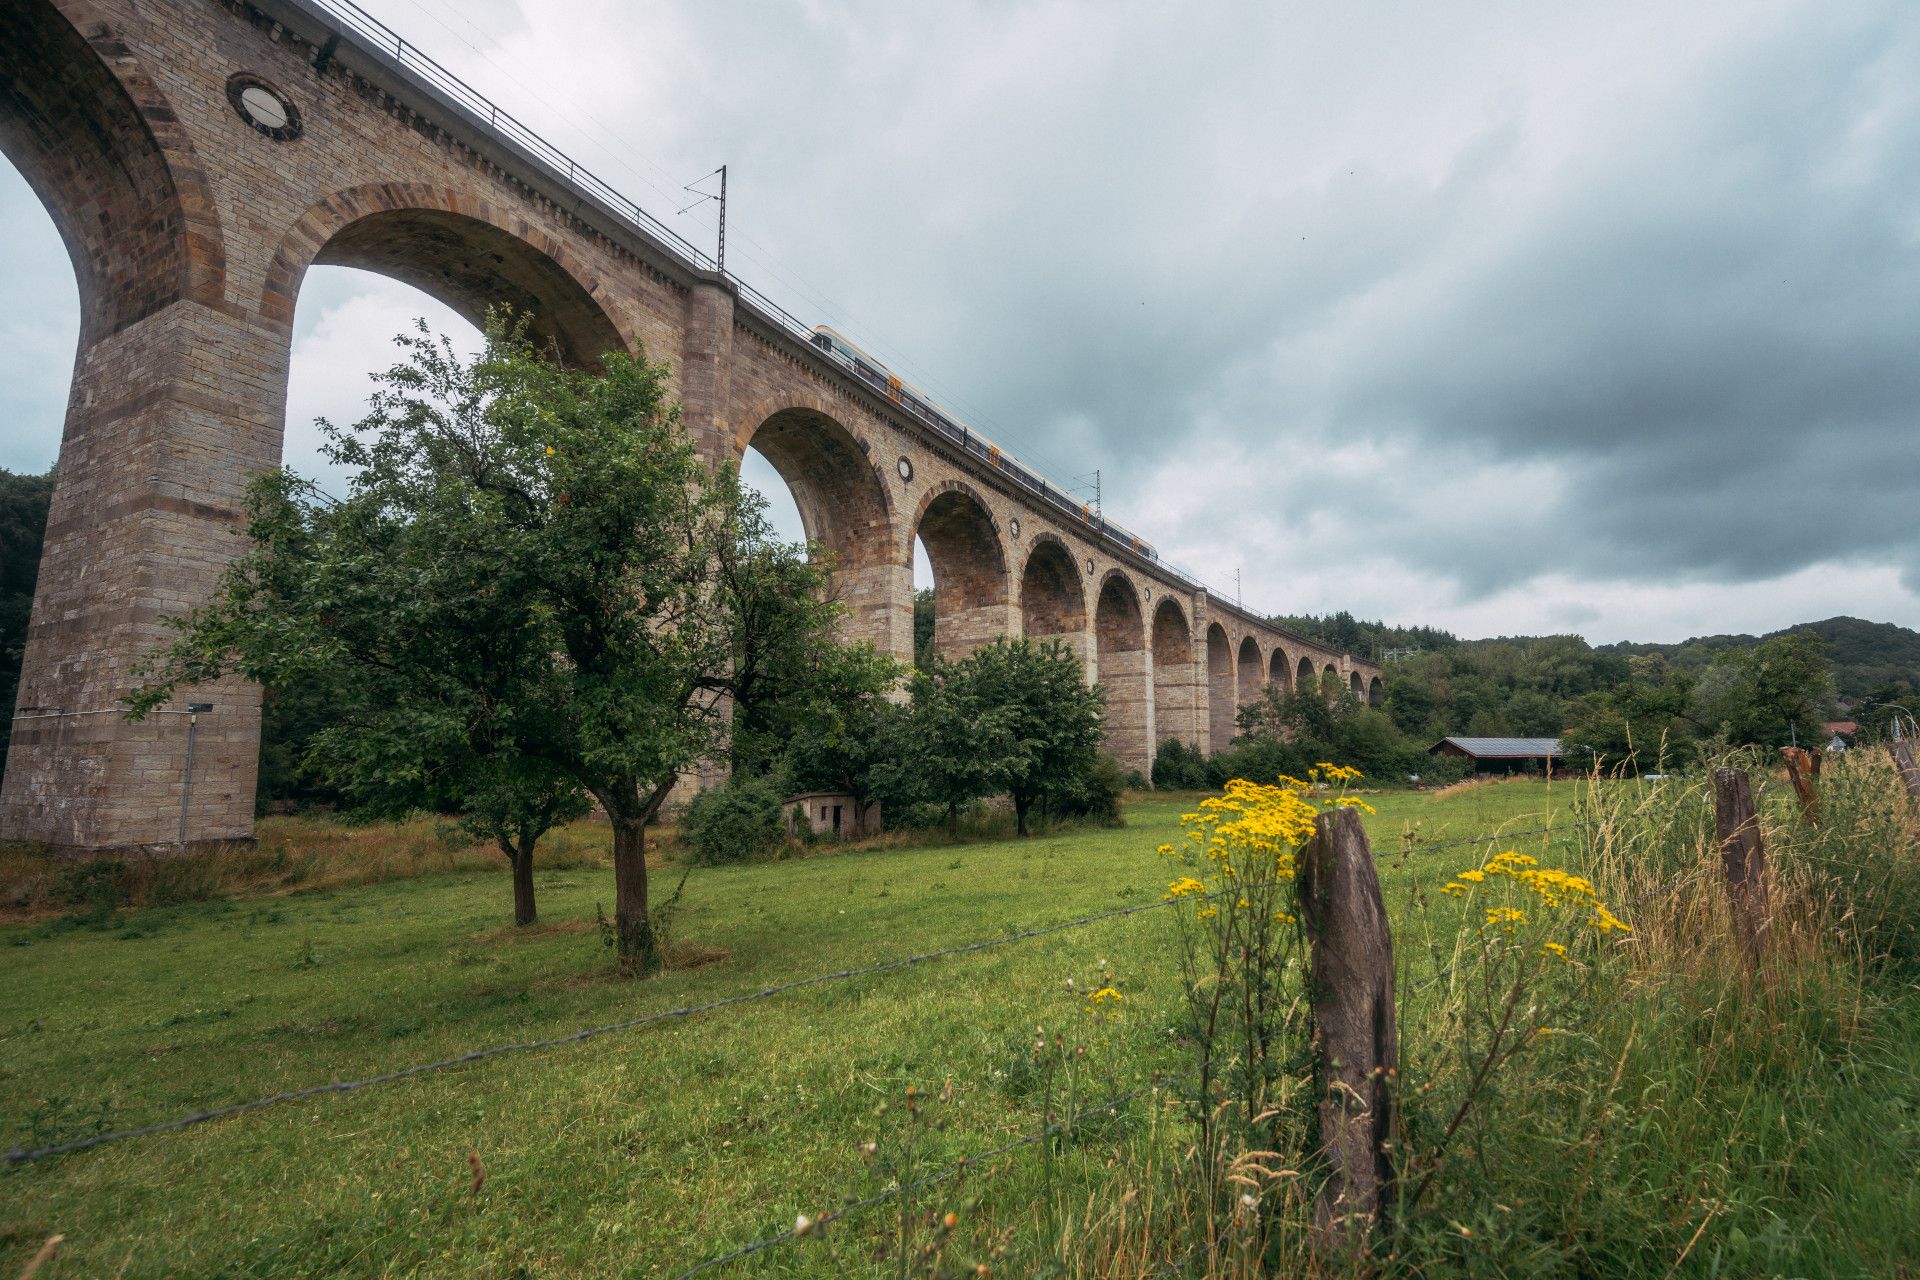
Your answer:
<point x="1050" y="720"/>
<point x="949" y="745"/>
<point x="530" y="568"/>
<point x="846" y="730"/>
<point x="923" y="620"/>
<point x="1778" y="692"/>
<point x="23" y="527"/>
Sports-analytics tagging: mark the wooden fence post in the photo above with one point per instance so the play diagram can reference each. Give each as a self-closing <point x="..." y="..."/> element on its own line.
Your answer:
<point x="1902" y="752"/>
<point x="1744" y="858"/>
<point x="1353" y="1018"/>
<point x="1803" y="771"/>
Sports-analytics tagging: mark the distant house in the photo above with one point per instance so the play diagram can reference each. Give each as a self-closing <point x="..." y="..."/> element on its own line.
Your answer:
<point x="1840" y="733"/>
<point x="1502" y="755"/>
<point x="831" y="813"/>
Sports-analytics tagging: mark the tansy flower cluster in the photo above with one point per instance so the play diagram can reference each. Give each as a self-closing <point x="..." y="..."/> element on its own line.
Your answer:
<point x="1549" y="887"/>
<point x="1254" y="828"/>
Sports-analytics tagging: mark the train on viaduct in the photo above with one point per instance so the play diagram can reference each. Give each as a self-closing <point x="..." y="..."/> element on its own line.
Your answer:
<point x="198" y="156"/>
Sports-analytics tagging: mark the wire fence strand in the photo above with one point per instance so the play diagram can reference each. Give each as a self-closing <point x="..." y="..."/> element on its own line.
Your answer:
<point x="20" y="1156"/>
<point x="957" y="1167"/>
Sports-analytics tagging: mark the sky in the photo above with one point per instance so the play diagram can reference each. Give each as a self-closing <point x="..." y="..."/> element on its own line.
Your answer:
<point x="1503" y="318"/>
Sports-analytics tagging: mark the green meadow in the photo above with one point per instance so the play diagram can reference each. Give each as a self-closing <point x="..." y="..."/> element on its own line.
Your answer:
<point x="639" y="1152"/>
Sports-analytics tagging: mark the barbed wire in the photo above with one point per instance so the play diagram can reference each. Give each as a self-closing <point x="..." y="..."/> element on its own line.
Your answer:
<point x="961" y="1165"/>
<point x="21" y="1156"/>
<point x="1413" y="845"/>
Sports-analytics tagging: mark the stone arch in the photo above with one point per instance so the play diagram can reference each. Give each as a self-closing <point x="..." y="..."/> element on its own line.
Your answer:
<point x="1251" y="669"/>
<point x="1176" y="685"/>
<point x="1357" y="685"/>
<point x="971" y="598"/>
<point x="1306" y="680"/>
<point x="457" y="248"/>
<point x="1120" y="666"/>
<point x="1053" y="596"/>
<point x="1376" y="692"/>
<point x="1280" y="669"/>
<point x="1330" y="682"/>
<point x="845" y="509"/>
<point x="1221" y="703"/>
<point x="85" y="124"/>
<point x="139" y="523"/>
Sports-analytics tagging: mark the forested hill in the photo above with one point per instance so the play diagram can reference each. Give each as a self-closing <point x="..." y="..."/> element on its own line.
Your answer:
<point x="1866" y="656"/>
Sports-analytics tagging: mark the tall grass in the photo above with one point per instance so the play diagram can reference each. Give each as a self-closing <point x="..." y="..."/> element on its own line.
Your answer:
<point x="290" y="854"/>
<point x="1688" y="1116"/>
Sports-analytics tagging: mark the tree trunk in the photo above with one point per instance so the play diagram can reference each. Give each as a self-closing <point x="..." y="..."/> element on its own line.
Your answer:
<point x="633" y="923"/>
<point x="1020" y="815"/>
<point x="953" y="822"/>
<point x="523" y="908"/>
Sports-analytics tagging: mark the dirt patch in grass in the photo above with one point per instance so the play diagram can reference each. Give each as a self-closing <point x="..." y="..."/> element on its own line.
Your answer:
<point x="529" y="932"/>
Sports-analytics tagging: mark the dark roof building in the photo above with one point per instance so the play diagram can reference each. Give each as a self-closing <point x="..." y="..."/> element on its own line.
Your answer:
<point x="1501" y="755"/>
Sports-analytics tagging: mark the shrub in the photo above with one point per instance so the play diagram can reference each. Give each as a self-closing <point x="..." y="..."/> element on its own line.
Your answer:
<point x="1179" y="767"/>
<point x="1095" y="794"/>
<point x="733" y="822"/>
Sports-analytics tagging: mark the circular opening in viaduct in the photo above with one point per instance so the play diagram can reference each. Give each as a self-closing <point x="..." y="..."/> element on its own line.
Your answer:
<point x="263" y="106"/>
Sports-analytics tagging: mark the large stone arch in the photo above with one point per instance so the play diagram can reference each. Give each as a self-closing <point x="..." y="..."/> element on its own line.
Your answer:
<point x="1306" y="679"/>
<point x="1220" y="689"/>
<point x="844" y="508"/>
<point x="1357" y="686"/>
<point x="100" y="144"/>
<point x="1176" y="684"/>
<point x="1053" y="595"/>
<point x="1280" y="669"/>
<point x="971" y="596"/>
<point x="1251" y="672"/>
<point x="457" y="248"/>
<point x="155" y="451"/>
<point x="1120" y="665"/>
<point x="1376" y="692"/>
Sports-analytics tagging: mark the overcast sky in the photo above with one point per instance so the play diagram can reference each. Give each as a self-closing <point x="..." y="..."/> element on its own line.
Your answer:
<point x="1502" y="318"/>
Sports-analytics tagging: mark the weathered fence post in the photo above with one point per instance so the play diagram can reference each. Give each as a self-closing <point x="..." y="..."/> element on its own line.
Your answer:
<point x="1353" y="1017"/>
<point x="1744" y="858"/>
<point x="1902" y="752"/>
<point x="1803" y="771"/>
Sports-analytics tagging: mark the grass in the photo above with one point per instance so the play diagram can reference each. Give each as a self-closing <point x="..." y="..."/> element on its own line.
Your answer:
<point x="335" y="954"/>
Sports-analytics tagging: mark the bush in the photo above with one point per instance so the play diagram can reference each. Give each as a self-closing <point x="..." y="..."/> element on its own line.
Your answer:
<point x="1179" y="767"/>
<point x="733" y="822"/>
<point x="1095" y="794"/>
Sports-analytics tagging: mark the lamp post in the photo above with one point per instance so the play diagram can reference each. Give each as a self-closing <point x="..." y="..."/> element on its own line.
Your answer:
<point x="194" y="709"/>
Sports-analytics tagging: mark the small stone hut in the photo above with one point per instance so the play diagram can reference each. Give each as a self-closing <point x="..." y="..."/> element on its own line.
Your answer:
<point x="830" y="813"/>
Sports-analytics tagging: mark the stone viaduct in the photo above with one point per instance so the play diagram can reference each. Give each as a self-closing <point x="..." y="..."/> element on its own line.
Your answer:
<point x="199" y="155"/>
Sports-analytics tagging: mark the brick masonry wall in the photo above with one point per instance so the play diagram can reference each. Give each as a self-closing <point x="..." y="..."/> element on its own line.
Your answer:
<point x="192" y="230"/>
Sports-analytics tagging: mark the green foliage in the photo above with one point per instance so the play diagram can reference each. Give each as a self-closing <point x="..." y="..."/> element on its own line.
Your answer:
<point x="923" y="619"/>
<point x="532" y="568"/>
<point x="848" y="730"/>
<point x="734" y="822"/>
<point x="1047" y="722"/>
<point x="1179" y="767"/>
<point x="1013" y="718"/>
<point x="23" y="526"/>
<point x="1094" y="794"/>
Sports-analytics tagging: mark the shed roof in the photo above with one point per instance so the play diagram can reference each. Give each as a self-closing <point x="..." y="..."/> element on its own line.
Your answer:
<point x="1504" y="748"/>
